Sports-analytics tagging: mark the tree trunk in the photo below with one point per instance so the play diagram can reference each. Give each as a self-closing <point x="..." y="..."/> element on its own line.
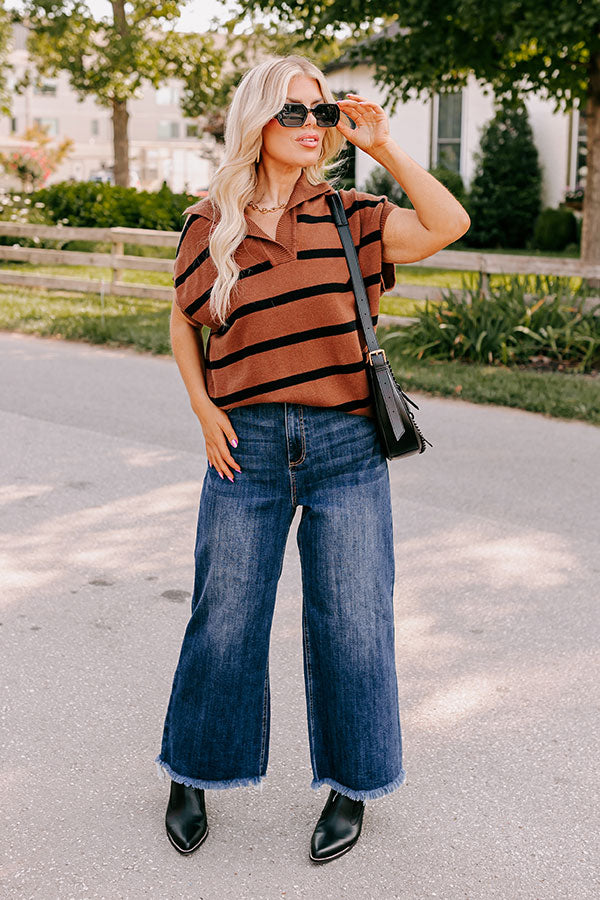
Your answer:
<point x="120" y="118"/>
<point x="590" y="234"/>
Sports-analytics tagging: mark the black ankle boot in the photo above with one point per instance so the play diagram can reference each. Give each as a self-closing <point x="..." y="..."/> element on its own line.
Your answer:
<point x="186" y="817"/>
<point x="338" y="828"/>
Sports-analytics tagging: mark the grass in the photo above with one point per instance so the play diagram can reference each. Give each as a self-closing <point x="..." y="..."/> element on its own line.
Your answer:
<point x="454" y="279"/>
<point x="91" y="273"/>
<point x="144" y="324"/>
<point x="560" y="395"/>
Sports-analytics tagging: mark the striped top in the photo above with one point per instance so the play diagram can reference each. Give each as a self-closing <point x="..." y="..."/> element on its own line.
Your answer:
<point x="292" y="332"/>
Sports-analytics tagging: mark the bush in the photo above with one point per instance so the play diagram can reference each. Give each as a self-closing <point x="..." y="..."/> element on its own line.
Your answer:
<point x="505" y="196"/>
<point x="507" y="328"/>
<point x="453" y="181"/>
<point x="91" y="204"/>
<point x="19" y="208"/>
<point x="554" y="229"/>
<point x="379" y="181"/>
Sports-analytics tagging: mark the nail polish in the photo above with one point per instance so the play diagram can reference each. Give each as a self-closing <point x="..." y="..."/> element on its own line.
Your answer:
<point x="234" y="443"/>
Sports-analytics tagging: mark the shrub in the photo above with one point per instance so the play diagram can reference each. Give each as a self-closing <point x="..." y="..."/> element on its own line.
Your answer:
<point x="92" y="204"/>
<point x="554" y="229"/>
<point x="19" y="208"/>
<point x="507" y="327"/>
<point x="505" y="196"/>
<point x="453" y="181"/>
<point x="379" y="181"/>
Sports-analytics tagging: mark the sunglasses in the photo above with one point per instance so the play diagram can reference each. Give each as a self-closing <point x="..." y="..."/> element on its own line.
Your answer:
<point x="293" y="115"/>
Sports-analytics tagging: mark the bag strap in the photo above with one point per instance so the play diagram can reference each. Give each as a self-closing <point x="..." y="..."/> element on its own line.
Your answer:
<point x="381" y="367"/>
<point x="362" y="301"/>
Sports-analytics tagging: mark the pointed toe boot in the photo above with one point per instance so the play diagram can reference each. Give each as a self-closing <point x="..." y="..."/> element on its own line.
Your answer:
<point x="338" y="828"/>
<point x="185" y="819"/>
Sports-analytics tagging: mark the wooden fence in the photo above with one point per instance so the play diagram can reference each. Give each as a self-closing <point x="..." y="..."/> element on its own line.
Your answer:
<point x="485" y="264"/>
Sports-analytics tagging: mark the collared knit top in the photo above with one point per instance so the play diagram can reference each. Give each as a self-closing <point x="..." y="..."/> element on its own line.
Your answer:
<point x="292" y="332"/>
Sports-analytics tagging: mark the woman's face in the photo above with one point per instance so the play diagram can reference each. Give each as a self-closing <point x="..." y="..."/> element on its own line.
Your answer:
<point x="296" y="146"/>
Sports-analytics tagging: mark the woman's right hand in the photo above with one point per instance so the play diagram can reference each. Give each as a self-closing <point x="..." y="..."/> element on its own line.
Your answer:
<point x="218" y="434"/>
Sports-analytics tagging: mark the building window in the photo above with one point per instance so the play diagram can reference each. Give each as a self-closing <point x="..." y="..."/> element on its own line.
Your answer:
<point x="167" y="95"/>
<point x="449" y="119"/>
<point x="95" y="127"/>
<point x="13" y="125"/>
<point x="167" y="129"/>
<point x="51" y="125"/>
<point x="191" y="129"/>
<point x="47" y="88"/>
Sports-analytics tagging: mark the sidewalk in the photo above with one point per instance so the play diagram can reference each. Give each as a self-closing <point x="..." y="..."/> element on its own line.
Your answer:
<point x="496" y="532"/>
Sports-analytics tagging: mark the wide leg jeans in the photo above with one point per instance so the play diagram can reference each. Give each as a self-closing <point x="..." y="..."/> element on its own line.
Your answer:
<point x="216" y="730"/>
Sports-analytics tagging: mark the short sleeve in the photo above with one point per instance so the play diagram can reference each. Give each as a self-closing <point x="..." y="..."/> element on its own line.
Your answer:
<point x="194" y="272"/>
<point x="372" y="212"/>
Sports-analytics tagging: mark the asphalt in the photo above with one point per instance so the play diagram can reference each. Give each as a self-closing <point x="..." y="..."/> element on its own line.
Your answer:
<point x="497" y="595"/>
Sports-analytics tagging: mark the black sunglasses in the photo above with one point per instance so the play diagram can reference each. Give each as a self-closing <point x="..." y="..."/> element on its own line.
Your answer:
<point x="293" y="115"/>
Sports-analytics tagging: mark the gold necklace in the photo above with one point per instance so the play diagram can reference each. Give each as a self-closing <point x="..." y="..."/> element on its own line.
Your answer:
<point x="266" y="209"/>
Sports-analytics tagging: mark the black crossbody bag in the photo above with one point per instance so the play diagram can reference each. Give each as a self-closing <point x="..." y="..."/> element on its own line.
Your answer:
<point x="398" y="431"/>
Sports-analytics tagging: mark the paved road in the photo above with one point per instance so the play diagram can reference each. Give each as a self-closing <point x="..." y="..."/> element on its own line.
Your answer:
<point x="497" y="593"/>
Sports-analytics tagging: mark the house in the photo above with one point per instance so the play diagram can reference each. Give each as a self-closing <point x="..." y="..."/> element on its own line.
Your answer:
<point x="447" y="128"/>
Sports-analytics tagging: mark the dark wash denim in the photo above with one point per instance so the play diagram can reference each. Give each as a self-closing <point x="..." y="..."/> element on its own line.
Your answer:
<point x="216" y="731"/>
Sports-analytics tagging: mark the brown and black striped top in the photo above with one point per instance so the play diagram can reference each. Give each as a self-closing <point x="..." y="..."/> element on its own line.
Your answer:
<point x="292" y="332"/>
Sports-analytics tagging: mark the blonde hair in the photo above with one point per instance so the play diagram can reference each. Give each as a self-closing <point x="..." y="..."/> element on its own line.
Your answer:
<point x="259" y="96"/>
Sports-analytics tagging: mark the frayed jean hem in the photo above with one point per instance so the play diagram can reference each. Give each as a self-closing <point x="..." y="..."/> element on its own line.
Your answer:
<point x="361" y="795"/>
<point x="163" y="767"/>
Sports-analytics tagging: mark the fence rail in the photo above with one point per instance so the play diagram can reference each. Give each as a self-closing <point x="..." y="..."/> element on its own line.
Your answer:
<point x="485" y="264"/>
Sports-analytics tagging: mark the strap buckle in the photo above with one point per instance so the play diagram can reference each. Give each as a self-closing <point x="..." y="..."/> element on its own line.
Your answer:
<point x="371" y="352"/>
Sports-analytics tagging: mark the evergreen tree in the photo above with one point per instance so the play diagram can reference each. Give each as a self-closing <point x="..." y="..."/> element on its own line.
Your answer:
<point x="505" y="195"/>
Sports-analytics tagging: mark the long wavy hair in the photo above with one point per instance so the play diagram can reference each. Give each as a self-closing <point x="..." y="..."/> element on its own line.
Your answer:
<point x="259" y="96"/>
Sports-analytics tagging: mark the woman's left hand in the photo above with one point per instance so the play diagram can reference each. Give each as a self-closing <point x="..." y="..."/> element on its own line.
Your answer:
<point x="372" y="128"/>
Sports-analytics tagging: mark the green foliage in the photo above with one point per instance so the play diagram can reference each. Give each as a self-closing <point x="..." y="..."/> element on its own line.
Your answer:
<point x="5" y="67"/>
<point x="426" y="47"/>
<point x="505" y="196"/>
<point x="379" y="181"/>
<point x="507" y="328"/>
<point x="555" y="229"/>
<point x="113" y="57"/>
<point x="246" y="48"/>
<point x="92" y="204"/>
<point x="451" y="180"/>
<point x="566" y="396"/>
<point x="22" y="210"/>
<point x="113" y="321"/>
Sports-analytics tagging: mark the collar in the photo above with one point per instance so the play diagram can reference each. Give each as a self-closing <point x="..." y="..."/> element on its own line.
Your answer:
<point x="302" y="190"/>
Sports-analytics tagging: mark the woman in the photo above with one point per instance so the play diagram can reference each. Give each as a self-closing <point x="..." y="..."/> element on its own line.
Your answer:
<point x="283" y="383"/>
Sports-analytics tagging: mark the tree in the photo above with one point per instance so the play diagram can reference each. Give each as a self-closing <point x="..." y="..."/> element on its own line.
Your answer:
<point x="505" y="196"/>
<point x="112" y="59"/>
<point x="513" y="47"/>
<point x="5" y="38"/>
<point x="244" y="50"/>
